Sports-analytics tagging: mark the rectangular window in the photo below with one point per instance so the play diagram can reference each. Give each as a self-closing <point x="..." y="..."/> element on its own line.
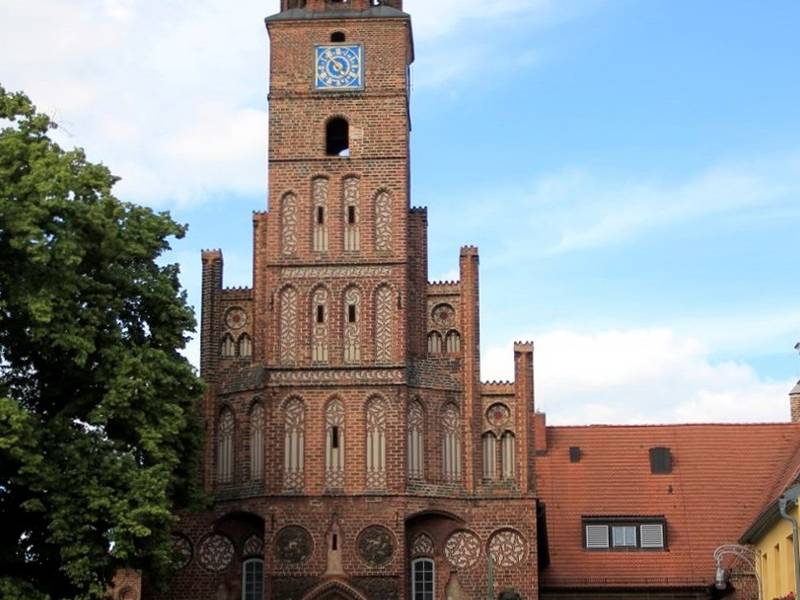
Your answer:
<point x="351" y="215"/>
<point x="422" y="579"/>
<point x="596" y="537"/>
<point x="624" y="536"/>
<point x="334" y="437"/>
<point x="652" y="535"/>
<point x="320" y="314"/>
<point x="320" y="215"/>
<point x="351" y="313"/>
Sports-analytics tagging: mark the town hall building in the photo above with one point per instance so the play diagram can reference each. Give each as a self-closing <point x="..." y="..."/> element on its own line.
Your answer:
<point x="352" y="450"/>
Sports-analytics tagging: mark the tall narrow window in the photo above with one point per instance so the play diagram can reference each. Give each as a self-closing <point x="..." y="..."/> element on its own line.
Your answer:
<point x="334" y="446"/>
<point x="384" y="324"/>
<point x="508" y="444"/>
<point x="337" y="137"/>
<point x="294" y="446"/>
<point x="319" y="326"/>
<point x="416" y="440"/>
<point x="288" y="326"/>
<point x="319" y="192"/>
<point x="352" y="241"/>
<point x="352" y="329"/>
<point x="383" y="222"/>
<point x="289" y="224"/>
<point x="225" y="431"/>
<point x="228" y="346"/>
<point x="434" y="343"/>
<point x="253" y="579"/>
<point x="376" y="444"/>
<point x="423" y="579"/>
<point x="489" y="443"/>
<point x="257" y="443"/>
<point x="245" y="346"/>
<point x="451" y="443"/>
<point x="453" y="342"/>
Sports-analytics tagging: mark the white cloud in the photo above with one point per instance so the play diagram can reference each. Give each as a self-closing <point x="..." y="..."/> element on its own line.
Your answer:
<point x="641" y="376"/>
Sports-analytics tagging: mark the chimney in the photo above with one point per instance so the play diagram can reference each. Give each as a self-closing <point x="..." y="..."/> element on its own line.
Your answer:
<point x="794" y="401"/>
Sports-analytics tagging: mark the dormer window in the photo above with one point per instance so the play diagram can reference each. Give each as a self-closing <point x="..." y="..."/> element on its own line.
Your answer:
<point x="624" y="533"/>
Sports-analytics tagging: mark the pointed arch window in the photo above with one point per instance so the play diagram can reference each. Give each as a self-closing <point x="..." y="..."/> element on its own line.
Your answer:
<point x="376" y="444"/>
<point x="352" y="325"/>
<point x="334" y="445"/>
<point x="245" y="346"/>
<point x="416" y="441"/>
<point x="319" y="326"/>
<point x="508" y="455"/>
<point x="319" y="193"/>
<point x="489" y="445"/>
<point x="257" y="443"/>
<point x="434" y="343"/>
<point x="294" y="446"/>
<point x="453" y="342"/>
<point x="352" y="234"/>
<point x="228" y="349"/>
<point x="225" y="430"/>
<point x="384" y="324"/>
<point x="451" y="443"/>
<point x="288" y="326"/>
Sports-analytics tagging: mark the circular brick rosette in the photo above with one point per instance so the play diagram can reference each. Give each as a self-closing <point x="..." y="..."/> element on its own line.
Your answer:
<point x="216" y="553"/>
<point x="293" y="545"/>
<point x="375" y="546"/>
<point x="463" y="549"/>
<point x="507" y="548"/>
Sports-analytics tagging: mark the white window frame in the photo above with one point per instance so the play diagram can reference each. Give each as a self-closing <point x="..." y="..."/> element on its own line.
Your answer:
<point x="642" y="536"/>
<point x="625" y="529"/>
<point x="596" y="527"/>
<point x="245" y="564"/>
<point x="414" y="563"/>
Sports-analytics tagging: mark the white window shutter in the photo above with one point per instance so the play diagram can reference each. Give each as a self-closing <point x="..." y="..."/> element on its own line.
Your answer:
<point x="652" y="536"/>
<point x="596" y="536"/>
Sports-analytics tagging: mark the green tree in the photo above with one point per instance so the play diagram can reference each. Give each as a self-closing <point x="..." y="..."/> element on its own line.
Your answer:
<point x="99" y="427"/>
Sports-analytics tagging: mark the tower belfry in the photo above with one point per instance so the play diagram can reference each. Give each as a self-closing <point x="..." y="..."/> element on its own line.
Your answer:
<point x="352" y="450"/>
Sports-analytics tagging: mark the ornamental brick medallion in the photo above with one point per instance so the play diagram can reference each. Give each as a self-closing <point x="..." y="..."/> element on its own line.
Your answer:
<point x="443" y="315"/>
<point x="422" y="546"/>
<point x="216" y="553"/>
<point x="293" y="545"/>
<point x="498" y="415"/>
<point x="375" y="546"/>
<point x="463" y="549"/>
<point x="235" y="318"/>
<point x="253" y="546"/>
<point x="507" y="548"/>
<point x="181" y="550"/>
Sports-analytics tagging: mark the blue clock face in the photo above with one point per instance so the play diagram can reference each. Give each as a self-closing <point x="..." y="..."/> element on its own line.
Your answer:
<point x="340" y="67"/>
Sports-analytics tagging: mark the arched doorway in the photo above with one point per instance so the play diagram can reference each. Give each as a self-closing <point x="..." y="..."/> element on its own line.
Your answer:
<point x="334" y="590"/>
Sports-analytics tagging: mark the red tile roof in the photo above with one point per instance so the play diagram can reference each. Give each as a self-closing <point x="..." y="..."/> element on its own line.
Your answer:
<point x="722" y="476"/>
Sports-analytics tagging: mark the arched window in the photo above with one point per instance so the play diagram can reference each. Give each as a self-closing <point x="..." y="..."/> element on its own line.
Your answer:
<point x="453" y="342"/>
<point x="489" y="443"/>
<point x="434" y="343"/>
<point x="423" y="579"/>
<point x="352" y="325"/>
<point x="319" y="193"/>
<point x="225" y="430"/>
<point x="245" y="346"/>
<point x="289" y="224"/>
<point x="294" y="446"/>
<point x="338" y="37"/>
<point x="228" y="346"/>
<point x="334" y="445"/>
<point x="253" y="579"/>
<point x="352" y="241"/>
<point x="376" y="444"/>
<point x="319" y="326"/>
<point x="383" y="222"/>
<point x="416" y="441"/>
<point x="451" y="443"/>
<point x="257" y="443"/>
<point x="384" y="324"/>
<point x="288" y="326"/>
<point x="337" y="137"/>
<point x="508" y="453"/>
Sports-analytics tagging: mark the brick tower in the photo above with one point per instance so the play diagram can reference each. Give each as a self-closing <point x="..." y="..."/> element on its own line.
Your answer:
<point x="351" y="449"/>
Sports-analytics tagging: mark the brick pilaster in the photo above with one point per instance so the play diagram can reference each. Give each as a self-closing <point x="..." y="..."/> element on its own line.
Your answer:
<point x="525" y="414"/>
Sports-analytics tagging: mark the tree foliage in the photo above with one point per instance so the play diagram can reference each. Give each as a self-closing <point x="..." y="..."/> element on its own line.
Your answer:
<point x="99" y="434"/>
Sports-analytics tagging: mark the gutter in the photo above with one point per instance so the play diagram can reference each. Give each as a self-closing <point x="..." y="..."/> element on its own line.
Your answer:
<point x="789" y="499"/>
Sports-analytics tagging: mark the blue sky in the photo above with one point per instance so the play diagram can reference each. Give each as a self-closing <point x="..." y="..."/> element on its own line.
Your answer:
<point x="630" y="170"/>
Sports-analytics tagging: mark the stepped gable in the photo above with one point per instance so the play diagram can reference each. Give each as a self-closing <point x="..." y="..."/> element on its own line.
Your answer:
<point x="715" y="490"/>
